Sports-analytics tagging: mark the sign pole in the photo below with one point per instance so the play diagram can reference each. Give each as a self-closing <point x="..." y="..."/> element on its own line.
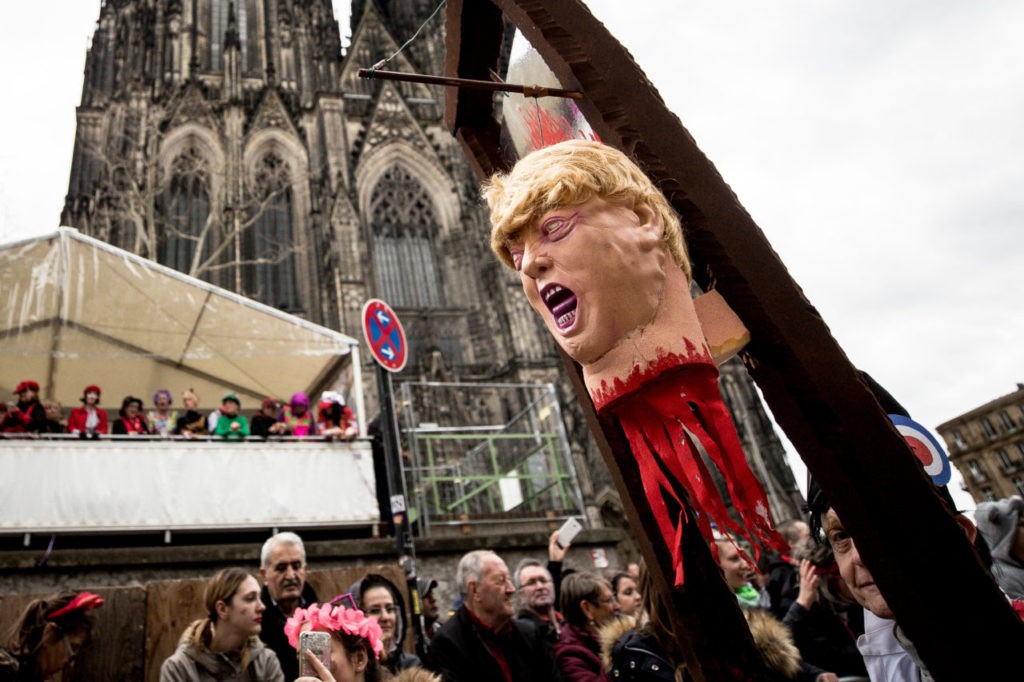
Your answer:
<point x="389" y="349"/>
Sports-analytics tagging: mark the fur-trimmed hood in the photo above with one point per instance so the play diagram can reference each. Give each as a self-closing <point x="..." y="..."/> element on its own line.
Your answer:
<point x="612" y="633"/>
<point x="771" y="637"/>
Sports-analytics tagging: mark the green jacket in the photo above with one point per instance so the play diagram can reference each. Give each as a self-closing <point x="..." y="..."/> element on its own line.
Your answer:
<point x="224" y="423"/>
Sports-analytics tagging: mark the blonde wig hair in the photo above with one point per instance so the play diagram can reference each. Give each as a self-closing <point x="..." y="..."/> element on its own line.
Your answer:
<point x="569" y="174"/>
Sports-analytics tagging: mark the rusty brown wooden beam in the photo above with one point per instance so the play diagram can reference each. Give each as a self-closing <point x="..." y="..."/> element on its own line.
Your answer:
<point x="911" y="542"/>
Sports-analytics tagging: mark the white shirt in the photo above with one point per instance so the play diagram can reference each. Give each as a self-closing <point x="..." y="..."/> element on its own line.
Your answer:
<point x="884" y="658"/>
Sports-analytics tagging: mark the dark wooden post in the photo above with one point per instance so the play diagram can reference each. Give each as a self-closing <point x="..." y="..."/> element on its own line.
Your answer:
<point x="943" y="598"/>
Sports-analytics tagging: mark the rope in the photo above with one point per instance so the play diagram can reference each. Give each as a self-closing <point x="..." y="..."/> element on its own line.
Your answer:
<point x="406" y="44"/>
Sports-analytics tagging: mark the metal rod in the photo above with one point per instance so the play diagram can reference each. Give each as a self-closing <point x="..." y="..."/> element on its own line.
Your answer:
<point x="525" y="90"/>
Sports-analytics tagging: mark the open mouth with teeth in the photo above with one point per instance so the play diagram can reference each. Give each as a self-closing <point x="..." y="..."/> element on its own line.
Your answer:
<point x="562" y="303"/>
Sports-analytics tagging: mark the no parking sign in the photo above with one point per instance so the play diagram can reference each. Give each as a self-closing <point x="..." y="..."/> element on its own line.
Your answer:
<point x="384" y="335"/>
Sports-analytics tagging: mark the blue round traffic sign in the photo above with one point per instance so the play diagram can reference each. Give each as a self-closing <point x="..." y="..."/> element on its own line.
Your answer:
<point x="384" y="335"/>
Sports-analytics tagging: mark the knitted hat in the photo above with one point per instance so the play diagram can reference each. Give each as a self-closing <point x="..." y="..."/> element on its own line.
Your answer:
<point x="229" y="396"/>
<point x="268" y="402"/>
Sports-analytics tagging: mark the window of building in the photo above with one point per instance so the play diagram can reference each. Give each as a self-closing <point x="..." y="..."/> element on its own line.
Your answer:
<point x="1004" y="417"/>
<point x="976" y="471"/>
<point x="188" y="209"/>
<point x="1004" y="458"/>
<point x="987" y="427"/>
<point x="1020" y="449"/>
<point x="1018" y="483"/>
<point x="959" y="440"/>
<point x="268" y="244"/>
<point x="987" y="493"/>
<point x="404" y="230"/>
<point x="219" y="26"/>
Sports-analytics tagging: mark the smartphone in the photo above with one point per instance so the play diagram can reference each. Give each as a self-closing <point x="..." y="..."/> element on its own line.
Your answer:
<point x="320" y="644"/>
<point x="568" y="532"/>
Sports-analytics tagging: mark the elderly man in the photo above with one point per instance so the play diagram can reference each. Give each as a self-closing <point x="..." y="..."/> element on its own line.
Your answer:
<point x="283" y="573"/>
<point x="482" y="641"/>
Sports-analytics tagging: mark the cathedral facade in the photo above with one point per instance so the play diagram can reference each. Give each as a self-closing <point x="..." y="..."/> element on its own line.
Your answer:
<point x="233" y="140"/>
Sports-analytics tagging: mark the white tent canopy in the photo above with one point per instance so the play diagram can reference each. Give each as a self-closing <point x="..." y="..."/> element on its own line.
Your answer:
<point x="76" y="311"/>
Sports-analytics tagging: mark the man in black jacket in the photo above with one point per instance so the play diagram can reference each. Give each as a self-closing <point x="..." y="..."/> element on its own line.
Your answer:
<point x="482" y="641"/>
<point x="283" y="573"/>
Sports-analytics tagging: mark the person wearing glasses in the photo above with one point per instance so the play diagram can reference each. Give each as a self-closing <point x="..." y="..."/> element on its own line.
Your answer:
<point x="381" y="600"/>
<point x="48" y="636"/>
<point x="588" y="603"/>
<point x="482" y="641"/>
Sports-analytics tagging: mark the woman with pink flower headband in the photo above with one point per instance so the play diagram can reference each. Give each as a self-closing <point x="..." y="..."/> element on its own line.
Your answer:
<point x="356" y="643"/>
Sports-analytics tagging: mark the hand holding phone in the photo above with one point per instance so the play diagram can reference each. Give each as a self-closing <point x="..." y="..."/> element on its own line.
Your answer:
<point x="568" y="532"/>
<point x="317" y="643"/>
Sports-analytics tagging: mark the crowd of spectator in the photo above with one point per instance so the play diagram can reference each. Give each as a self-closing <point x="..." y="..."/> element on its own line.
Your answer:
<point x="332" y="419"/>
<point x="812" y="615"/>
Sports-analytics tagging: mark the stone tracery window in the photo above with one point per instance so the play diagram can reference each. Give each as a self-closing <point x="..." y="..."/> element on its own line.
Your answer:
<point x="268" y="244"/>
<point x="404" y="229"/>
<point x="188" y="209"/>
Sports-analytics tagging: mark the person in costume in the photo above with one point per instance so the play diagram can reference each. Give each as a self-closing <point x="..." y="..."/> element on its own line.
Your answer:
<point x="88" y="421"/>
<point x="224" y="645"/>
<point x="27" y="415"/>
<point x="162" y="420"/>
<point x="1002" y="524"/>
<point x="230" y="424"/>
<point x="130" y="421"/>
<point x="192" y="423"/>
<point x="53" y="423"/>
<point x="297" y="416"/>
<point x="337" y="421"/>
<point x="265" y="424"/>
<point x="356" y="642"/>
<point x="47" y="636"/>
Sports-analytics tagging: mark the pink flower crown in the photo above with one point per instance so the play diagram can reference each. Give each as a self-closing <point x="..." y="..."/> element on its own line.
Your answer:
<point x="333" y="618"/>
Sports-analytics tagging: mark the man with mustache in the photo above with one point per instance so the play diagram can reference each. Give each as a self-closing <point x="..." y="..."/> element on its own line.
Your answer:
<point x="283" y="574"/>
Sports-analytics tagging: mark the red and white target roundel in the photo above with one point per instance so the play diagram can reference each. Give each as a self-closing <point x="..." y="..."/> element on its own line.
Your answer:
<point x="384" y="335"/>
<point x="926" y="447"/>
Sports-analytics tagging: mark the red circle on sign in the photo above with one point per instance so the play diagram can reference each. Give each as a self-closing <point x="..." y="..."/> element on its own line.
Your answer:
<point x="384" y="335"/>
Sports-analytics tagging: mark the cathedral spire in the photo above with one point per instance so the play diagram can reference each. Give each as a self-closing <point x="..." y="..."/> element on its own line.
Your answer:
<point x="231" y="39"/>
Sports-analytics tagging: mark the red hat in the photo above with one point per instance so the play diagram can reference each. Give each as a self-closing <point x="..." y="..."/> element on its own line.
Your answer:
<point x="26" y="386"/>
<point x="92" y="388"/>
<point x="269" y="402"/>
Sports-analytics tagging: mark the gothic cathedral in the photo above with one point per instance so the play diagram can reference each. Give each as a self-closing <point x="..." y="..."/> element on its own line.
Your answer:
<point x="233" y="141"/>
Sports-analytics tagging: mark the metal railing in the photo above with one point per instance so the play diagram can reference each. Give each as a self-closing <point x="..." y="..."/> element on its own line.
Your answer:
<point x="461" y="470"/>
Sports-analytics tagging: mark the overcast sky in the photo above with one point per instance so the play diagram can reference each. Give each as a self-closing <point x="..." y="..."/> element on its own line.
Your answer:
<point x="878" y="144"/>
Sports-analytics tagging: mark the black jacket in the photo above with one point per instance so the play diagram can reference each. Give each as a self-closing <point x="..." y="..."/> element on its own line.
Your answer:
<point x="825" y="640"/>
<point x="272" y="632"/>
<point x="638" y="658"/>
<point x="458" y="652"/>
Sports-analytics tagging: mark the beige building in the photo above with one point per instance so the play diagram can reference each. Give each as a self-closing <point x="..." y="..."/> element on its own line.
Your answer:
<point x="987" y="446"/>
